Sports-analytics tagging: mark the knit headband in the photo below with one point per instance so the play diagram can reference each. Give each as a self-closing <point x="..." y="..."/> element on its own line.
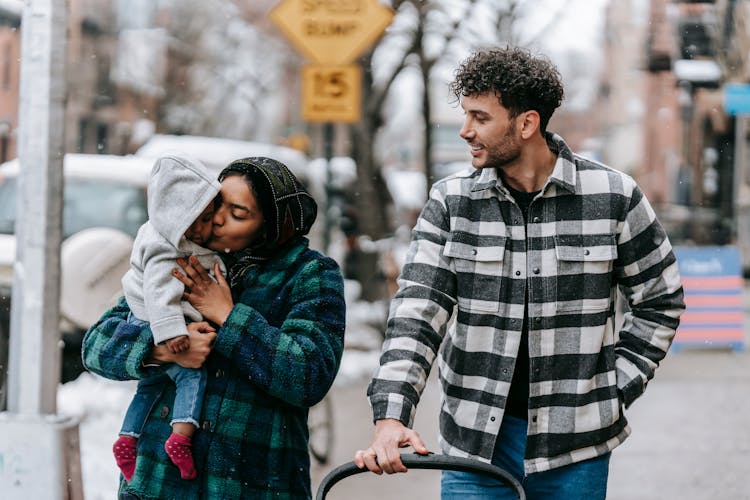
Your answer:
<point x="288" y="209"/>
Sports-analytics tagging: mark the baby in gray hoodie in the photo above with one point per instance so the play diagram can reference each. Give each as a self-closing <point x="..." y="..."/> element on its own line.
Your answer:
<point x="181" y="195"/>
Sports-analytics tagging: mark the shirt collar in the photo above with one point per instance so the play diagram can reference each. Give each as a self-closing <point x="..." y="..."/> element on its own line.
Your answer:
<point x="563" y="174"/>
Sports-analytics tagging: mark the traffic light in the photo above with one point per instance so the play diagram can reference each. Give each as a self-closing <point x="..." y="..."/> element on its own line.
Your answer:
<point x="695" y="39"/>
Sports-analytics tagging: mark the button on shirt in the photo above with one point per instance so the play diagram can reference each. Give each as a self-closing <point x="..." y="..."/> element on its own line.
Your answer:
<point x="518" y="395"/>
<point x="596" y="232"/>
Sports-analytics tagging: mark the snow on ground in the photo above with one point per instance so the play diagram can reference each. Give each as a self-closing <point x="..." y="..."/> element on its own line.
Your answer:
<point x="100" y="404"/>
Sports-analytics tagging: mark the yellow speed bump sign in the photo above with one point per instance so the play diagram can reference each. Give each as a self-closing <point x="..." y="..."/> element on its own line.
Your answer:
<point x="332" y="31"/>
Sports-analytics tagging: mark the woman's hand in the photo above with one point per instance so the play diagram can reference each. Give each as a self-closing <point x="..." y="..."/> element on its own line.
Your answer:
<point x="201" y="335"/>
<point x="213" y="299"/>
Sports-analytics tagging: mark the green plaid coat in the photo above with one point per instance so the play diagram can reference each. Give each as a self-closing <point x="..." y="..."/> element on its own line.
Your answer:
<point x="276" y="355"/>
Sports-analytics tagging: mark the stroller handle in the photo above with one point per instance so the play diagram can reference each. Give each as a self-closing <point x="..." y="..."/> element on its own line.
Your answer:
<point x="430" y="461"/>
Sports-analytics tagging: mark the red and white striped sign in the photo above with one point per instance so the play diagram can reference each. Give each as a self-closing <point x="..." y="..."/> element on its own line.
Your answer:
<point x="714" y="296"/>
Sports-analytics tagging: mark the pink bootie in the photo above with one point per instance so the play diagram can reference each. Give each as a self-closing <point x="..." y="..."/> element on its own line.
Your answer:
<point x="124" y="451"/>
<point x="178" y="447"/>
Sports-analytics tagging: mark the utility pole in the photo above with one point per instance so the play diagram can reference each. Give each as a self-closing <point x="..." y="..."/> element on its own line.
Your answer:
<point x="737" y="104"/>
<point x="39" y="455"/>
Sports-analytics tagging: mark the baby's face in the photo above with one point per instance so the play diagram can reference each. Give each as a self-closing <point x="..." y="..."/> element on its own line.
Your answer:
<point x="199" y="231"/>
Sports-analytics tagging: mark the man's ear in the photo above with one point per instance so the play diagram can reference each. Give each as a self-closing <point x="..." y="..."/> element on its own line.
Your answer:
<point x="529" y="123"/>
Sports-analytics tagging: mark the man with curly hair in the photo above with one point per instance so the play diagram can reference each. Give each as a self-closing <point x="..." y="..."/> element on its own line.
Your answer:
<point x="511" y="282"/>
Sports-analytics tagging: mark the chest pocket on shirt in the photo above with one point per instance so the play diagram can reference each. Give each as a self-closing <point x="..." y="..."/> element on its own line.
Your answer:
<point x="584" y="271"/>
<point x="479" y="272"/>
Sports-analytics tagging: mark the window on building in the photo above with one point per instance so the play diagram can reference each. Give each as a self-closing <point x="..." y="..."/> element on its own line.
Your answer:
<point x="101" y="137"/>
<point x="83" y="129"/>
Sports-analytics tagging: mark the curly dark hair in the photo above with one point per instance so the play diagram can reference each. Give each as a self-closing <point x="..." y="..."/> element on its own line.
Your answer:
<point x="521" y="81"/>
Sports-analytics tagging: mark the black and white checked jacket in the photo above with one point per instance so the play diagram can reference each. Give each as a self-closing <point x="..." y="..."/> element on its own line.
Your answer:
<point x="461" y="293"/>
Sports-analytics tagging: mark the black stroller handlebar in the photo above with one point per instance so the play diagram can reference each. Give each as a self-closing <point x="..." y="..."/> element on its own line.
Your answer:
<point x="430" y="461"/>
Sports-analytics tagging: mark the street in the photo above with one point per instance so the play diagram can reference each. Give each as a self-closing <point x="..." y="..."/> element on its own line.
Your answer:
<point x="353" y="430"/>
<point x="358" y="108"/>
<point x="690" y="436"/>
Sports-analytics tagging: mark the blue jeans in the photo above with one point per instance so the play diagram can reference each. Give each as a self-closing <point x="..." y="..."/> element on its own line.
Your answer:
<point x="190" y="384"/>
<point x="585" y="480"/>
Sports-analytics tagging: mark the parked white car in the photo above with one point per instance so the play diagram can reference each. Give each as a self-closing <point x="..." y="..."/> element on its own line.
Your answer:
<point x="217" y="152"/>
<point x="104" y="204"/>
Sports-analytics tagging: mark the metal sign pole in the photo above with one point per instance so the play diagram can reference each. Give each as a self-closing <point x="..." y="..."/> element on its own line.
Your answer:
<point x="34" y="352"/>
<point x="740" y="188"/>
<point x="737" y="103"/>
<point x="328" y="138"/>
<point x="39" y="455"/>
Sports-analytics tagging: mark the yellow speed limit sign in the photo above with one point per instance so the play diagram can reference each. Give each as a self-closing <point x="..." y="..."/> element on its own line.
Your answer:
<point x="331" y="93"/>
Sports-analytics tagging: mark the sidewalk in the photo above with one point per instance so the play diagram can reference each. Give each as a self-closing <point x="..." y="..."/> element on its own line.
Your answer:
<point x="691" y="438"/>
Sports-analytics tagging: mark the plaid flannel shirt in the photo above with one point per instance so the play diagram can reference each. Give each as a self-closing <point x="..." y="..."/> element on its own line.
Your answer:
<point x="276" y="355"/>
<point x="471" y="263"/>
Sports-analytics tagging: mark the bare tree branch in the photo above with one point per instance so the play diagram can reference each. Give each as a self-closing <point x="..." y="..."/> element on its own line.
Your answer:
<point x="432" y="21"/>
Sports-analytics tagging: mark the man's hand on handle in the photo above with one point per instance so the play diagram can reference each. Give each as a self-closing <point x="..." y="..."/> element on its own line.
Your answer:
<point x="383" y="455"/>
